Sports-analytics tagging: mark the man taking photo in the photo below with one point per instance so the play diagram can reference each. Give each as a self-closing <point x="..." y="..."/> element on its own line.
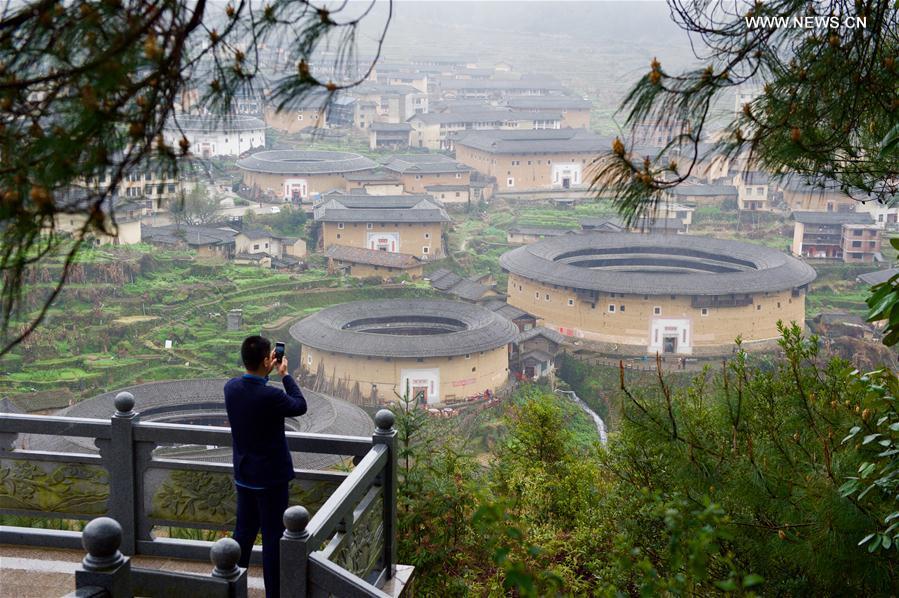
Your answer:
<point x="262" y="464"/>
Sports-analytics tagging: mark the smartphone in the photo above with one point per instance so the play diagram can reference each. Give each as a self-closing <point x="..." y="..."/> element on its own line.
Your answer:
<point x="279" y="352"/>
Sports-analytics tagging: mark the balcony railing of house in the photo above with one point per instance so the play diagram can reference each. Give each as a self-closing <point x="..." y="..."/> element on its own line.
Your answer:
<point x="347" y="547"/>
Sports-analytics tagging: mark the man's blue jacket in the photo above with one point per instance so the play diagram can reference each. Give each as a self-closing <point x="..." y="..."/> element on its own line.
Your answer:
<point x="256" y="412"/>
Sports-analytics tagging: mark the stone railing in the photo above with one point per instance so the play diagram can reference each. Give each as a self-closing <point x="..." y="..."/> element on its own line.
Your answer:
<point x="347" y="547"/>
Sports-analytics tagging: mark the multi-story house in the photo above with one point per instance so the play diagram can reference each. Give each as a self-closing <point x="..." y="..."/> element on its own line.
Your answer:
<point x="532" y="160"/>
<point x="438" y="131"/>
<point x="410" y="224"/>
<point x="847" y="236"/>
<point x="754" y="191"/>
<point x="417" y="172"/>
<point x="575" y="112"/>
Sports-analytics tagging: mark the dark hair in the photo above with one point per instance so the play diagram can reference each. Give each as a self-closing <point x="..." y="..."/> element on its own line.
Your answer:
<point x="253" y="350"/>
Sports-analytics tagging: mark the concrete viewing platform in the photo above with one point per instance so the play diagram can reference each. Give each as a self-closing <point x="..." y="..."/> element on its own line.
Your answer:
<point x="29" y="572"/>
<point x="140" y="484"/>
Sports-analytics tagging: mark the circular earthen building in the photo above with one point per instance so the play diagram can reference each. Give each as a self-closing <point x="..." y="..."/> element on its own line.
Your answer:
<point x="297" y="175"/>
<point x="373" y="351"/>
<point x="678" y="294"/>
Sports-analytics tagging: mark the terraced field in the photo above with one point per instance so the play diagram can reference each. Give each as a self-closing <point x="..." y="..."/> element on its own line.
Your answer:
<point x="103" y="335"/>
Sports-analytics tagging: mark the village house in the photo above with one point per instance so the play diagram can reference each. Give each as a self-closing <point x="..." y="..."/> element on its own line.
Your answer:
<point x="802" y="196"/>
<point x="885" y="214"/>
<point x="522" y="319"/>
<point x="257" y="240"/>
<point x="534" y="353"/>
<point x="498" y="89"/>
<point x="378" y="102"/>
<point x="374" y="182"/>
<point x="522" y="235"/>
<point x="438" y="131"/>
<point x="215" y="135"/>
<point x="416" y="80"/>
<point x="532" y="160"/>
<point x="600" y="224"/>
<point x="657" y="134"/>
<point x="847" y="236"/>
<point x="309" y="111"/>
<point x="754" y="191"/>
<point x="450" y="194"/>
<point x="410" y="224"/>
<point x="394" y="136"/>
<point x="575" y="112"/>
<point x="467" y="289"/>
<point x="123" y="221"/>
<point x="701" y="194"/>
<point x="207" y="241"/>
<point x="360" y="262"/>
<point x="419" y="171"/>
<point x="155" y="183"/>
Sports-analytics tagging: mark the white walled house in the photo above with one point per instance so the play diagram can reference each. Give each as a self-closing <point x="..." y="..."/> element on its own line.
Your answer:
<point x="211" y="135"/>
<point x="753" y="191"/>
<point x="255" y="241"/>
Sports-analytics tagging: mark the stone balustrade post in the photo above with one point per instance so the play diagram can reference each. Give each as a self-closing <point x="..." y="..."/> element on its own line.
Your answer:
<point x="295" y="551"/>
<point x="120" y="462"/>
<point x="386" y="434"/>
<point x="104" y="566"/>
<point x="225" y="554"/>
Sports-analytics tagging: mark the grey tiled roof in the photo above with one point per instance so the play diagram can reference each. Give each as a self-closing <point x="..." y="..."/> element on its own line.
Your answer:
<point x="603" y="224"/>
<point x="329" y="329"/>
<point x="252" y="257"/>
<point x="379" y="208"/>
<point x="372" y="88"/>
<point x="305" y="162"/>
<point x="449" y="282"/>
<point x="326" y="415"/>
<point x="537" y="355"/>
<point x="445" y="280"/>
<point x="755" y="178"/>
<point x="549" y="333"/>
<point x="257" y="233"/>
<point x="194" y="236"/>
<point x="373" y="257"/>
<point x="704" y="190"/>
<point x="439" y="188"/>
<point x="469" y="290"/>
<point x="833" y="218"/>
<point x="549" y="103"/>
<point x="878" y="276"/>
<point x="372" y="176"/>
<point x="540" y="141"/>
<point x="390" y="127"/>
<point x="214" y="124"/>
<point x="704" y="266"/>
<point x="507" y="311"/>
<point x="424" y="164"/>
<point x="500" y="85"/>
<point x="498" y="115"/>
<point x="540" y="230"/>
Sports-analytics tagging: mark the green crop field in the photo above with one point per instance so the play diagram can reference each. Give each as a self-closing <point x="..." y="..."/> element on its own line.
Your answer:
<point x="99" y="335"/>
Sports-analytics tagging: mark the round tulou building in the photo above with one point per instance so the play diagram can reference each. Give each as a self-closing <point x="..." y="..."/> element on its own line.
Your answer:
<point x="677" y="294"/>
<point x="297" y="175"/>
<point x="372" y="351"/>
<point x="202" y="402"/>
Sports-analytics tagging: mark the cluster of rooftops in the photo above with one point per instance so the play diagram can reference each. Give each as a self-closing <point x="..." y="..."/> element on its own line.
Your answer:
<point x="309" y="162"/>
<point x="538" y="141"/>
